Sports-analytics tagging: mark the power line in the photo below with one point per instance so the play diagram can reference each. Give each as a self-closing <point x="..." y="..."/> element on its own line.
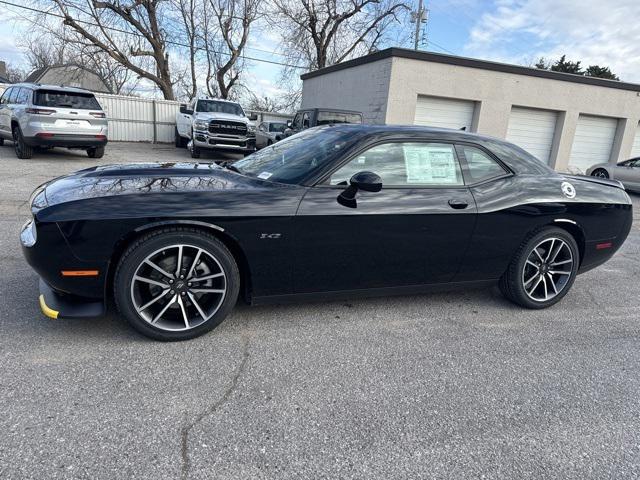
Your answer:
<point x="168" y="42"/>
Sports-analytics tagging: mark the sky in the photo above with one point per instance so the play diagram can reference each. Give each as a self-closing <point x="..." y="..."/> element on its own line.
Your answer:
<point x="512" y="31"/>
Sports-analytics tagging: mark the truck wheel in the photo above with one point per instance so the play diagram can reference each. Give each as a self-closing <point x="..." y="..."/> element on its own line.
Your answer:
<point x="195" y="152"/>
<point x="180" y="143"/>
<point x="97" y="152"/>
<point x="23" y="150"/>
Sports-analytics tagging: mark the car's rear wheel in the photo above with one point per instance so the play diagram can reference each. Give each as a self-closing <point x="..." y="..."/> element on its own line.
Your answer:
<point x="23" y="150"/>
<point x="543" y="270"/>
<point x="176" y="284"/>
<point x="600" y="173"/>
<point x="97" y="152"/>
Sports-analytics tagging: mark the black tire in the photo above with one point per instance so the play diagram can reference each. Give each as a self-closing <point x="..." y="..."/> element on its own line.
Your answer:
<point x="512" y="283"/>
<point x="1" y="142"/>
<point x="138" y="251"/>
<point x="179" y="141"/>
<point x="97" y="152"/>
<point x="23" y="150"/>
<point x="195" y="152"/>
<point x="600" y="173"/>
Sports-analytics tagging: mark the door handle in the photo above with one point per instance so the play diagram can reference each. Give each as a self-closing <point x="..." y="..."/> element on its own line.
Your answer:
<point x="458" y="204"/>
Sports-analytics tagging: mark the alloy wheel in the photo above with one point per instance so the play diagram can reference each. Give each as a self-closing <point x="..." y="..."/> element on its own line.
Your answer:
<point x="548" y="269"/>
<point x="600" y="174"/>
<point x="178" y="287"/>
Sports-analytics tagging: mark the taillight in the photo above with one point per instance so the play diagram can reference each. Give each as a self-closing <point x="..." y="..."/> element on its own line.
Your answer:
<point x="39" y="111"/>
<point x="97" y="114"/>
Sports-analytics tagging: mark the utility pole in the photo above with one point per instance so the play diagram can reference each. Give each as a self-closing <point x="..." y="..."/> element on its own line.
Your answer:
<point x="419" y="18"/>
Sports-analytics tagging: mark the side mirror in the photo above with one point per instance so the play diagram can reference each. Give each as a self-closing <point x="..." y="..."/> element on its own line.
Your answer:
<point x="183" y="108"/>
<point x="289" y="124"/>
<point x="253" y="117"/>
<point x="367" y="181"/>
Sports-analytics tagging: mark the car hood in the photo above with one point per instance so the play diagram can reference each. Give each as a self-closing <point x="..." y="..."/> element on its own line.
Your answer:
<point x="220" y="116"/>
<point x="147" y="178"/>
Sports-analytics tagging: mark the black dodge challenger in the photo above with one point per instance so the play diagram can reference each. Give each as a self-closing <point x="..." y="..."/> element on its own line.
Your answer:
<point x="334" y="210"/>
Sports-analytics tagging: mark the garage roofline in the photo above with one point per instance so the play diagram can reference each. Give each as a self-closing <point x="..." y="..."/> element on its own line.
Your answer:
<point x="472" y="63"/>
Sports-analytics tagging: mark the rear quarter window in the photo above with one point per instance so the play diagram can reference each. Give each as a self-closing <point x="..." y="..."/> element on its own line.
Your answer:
<point x="61" y="99"/>
<point x="327" y="117"/>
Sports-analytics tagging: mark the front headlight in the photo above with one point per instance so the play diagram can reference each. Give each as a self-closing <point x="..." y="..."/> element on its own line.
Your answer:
<point x="251" y="128"/>
<point x="28" y="234"/>
<point x="200" y="125"/>
<point x="38" y="199"/>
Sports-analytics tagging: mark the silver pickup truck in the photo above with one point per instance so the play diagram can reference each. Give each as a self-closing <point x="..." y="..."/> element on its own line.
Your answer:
<point x="214" y="124"/>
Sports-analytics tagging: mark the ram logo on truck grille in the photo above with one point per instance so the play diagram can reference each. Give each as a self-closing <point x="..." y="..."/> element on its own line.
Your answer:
<point x="232" y="128"/>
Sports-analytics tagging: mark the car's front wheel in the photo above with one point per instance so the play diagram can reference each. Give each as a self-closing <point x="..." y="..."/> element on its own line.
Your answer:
<point x="600" y="173"/>
<point x="176" y="284"/>
<point x="543" y="269"/>
<point x="23" y="150"/>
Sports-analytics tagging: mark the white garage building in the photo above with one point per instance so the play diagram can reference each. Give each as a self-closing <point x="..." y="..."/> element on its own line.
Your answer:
<point x="568" y="121"/>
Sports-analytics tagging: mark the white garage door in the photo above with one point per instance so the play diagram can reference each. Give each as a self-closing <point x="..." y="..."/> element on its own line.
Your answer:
<point x="635" y="150"/>
<point x="533" y="130"/>
<point x="592" y="142"/>
<point x="444" y="112"/>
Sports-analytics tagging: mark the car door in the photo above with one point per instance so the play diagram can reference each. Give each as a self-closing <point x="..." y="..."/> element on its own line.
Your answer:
<point x="628" y="173"/>
<point x="5" y="114"/>
<point x="261" y="139"/>
<point x="185" y="120"/>
<point x="414" y="231"/>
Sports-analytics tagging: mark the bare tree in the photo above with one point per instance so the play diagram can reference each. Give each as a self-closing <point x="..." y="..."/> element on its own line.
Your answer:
<point x="191" y="12"/>
<point x="319" y="33"/>
<point x="131" y="32"/>
<point x="225" y="34"/>
<point x="48" y="47"/>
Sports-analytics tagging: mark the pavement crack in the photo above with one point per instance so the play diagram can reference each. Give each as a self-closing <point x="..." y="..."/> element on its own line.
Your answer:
<point x="211" y="409"/>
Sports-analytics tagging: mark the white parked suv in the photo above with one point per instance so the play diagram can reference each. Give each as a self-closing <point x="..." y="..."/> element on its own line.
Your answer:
<point x="34" y="115"/>
<point x="214" y="124"/>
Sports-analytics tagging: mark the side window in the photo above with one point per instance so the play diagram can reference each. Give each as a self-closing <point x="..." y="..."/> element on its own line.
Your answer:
<point x="297" y="121"/>
<point x="481" y="166"/>
<point x="13" y="92"/>
<point x="23" y="96"/>
<point x="406" y="164"/>
<point x="305" y="120"/>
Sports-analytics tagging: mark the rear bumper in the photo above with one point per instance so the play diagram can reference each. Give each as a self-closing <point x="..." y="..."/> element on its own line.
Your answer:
<point x="66" y="140"/>
<point x="55" y="306"/>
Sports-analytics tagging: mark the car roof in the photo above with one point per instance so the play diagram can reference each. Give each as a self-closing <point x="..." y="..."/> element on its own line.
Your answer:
<point x="217" y="100"/>
<point x="43" y="86"/>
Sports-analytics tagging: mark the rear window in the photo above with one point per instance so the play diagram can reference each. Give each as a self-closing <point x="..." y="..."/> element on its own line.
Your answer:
<point x="61" y="99"/>
<point x="326" y="118"/>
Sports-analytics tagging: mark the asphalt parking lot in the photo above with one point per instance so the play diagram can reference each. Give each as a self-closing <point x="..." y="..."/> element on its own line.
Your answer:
<point x="448" y="385"/>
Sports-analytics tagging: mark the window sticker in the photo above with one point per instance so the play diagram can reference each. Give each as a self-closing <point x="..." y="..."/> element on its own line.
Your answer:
<point x="430" y="164"/>
<point x="264" y="175"/>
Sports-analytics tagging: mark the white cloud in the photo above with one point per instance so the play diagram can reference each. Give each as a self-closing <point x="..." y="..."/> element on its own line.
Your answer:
<point x="595" y="32"/>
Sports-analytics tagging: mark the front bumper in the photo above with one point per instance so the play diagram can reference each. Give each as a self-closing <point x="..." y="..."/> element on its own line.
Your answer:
<point x="55" y="305"/>
<point x="228" y="142"/>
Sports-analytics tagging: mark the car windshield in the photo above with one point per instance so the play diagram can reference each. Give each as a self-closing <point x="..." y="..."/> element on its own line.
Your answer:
<point x="297" y="157"/>
<point x="277" y="127"/>
<point x="219" y="107"/>
<point x="62" y="99"/>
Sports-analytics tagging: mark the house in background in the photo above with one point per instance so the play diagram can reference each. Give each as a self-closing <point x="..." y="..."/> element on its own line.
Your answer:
<point x="70" y="75"/>
<point x="3" y="73"/>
